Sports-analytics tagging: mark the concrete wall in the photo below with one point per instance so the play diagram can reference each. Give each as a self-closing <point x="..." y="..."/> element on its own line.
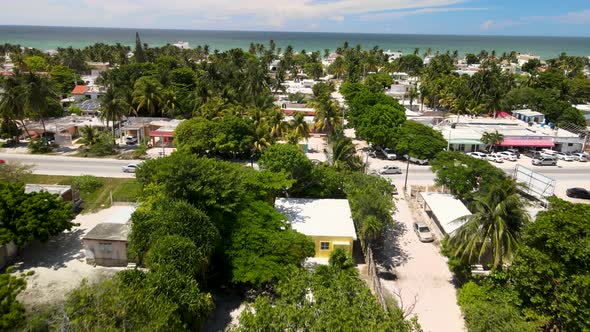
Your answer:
<point x="326" y="253"/>
<point x="106" y="253"/>
<point x="7" y="253"/>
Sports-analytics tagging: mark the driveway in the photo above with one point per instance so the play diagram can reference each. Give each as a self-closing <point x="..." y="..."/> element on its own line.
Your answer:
<point x="423" y="277"/>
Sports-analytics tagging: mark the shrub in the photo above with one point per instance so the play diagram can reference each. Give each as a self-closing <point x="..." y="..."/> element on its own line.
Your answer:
<point x="86" y="183"/>
<point x="103" y="146"/>
<point x="39" y="145"/>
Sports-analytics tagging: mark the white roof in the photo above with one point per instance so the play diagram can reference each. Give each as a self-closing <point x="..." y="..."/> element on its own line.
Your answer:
<point x="318" y="217"/>
<point x="447" y="210"/>
<point x="527" y="112"/>
<point x="52" y="189"/>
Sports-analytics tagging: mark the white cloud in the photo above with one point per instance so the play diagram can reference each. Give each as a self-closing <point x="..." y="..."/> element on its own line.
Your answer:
<point x="172" y="13"/>
<point x="400" y="14"/>
<point x="581" y="17"/>
<point x="487" y="25"/>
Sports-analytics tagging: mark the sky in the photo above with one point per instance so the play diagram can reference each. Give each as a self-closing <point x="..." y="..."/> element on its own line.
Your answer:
<point x="472" y="17"/>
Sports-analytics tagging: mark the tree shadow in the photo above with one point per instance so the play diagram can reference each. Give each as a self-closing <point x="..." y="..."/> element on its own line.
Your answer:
<point x="388" y="250"/>
<point x="53" y="254"/>
<point x="226" y="302"/>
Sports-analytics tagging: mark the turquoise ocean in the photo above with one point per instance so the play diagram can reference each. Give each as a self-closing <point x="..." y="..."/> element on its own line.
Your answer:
<point x="47" y="38"/>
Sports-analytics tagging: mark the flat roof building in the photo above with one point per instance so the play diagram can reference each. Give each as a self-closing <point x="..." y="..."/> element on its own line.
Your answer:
<point x="328" y="222"/>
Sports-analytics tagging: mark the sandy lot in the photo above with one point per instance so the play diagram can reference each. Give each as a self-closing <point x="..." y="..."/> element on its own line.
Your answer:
<point x="59" y="265"/>
<point x="423" y="278"/>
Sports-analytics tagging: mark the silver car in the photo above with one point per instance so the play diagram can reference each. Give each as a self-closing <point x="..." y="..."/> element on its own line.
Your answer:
<point x="507" y="155"/>
<point x="390" y="170"/>
<point x="130" y="168"/>
<point x="564" y="156"/>
<point x="545" y="161"/>
<point x="580" y="157"/>
<point x="423" y="232"/>
<point x="497" y="158"/>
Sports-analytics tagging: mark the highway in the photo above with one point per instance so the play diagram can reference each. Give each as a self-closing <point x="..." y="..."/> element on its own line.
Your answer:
<point x="73" y="166"/>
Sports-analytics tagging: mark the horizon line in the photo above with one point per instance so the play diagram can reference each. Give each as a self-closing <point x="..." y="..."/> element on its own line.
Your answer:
<point x="292" y="31"/>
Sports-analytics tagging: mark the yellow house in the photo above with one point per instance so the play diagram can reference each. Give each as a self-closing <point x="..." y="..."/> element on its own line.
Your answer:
<point x="328" y="222"/>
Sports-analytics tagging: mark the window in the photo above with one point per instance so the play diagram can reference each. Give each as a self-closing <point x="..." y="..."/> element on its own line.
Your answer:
<point x="570" y="144"/>
<point x="461" y="147"/>
<point x="105" y="247"/>
<point x="324" y="245"/>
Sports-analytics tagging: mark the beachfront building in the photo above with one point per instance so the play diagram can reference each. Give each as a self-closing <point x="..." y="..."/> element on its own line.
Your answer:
<point x="529" y="116"/>
<point x="163" y="133"/>
<point x="328" y="222"/>
<point x="464" y="134"/>
<point x="391" y="56"/>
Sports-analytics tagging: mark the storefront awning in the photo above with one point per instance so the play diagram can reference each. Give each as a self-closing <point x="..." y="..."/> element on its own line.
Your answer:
<point x="161" y="133"/>
<point x="537" y="143"/>
<point x="465" y="141"/>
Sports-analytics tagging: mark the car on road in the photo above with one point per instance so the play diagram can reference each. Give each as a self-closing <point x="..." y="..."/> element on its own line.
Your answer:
<point x="506" y="155"/>
<point x="130" y="168"/>
<point x="578" y="193"/>
<point x="390" y="169"/>
<point x="423" y="232"/>
<point x="477" y="154"/>
<point x="580" y="157"/>
<point x="389" y="154"/>
<point x="545" y="161"/>
<point x="495" y="157"/>
<point x="564" y="156"/>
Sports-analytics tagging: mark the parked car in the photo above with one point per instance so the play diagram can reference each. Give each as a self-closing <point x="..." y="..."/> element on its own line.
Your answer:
<point x="389" y="154"/>
<point x="390" y="169"/>
<point x="507" y="155"/>
<point x="130" y="168"/>
<point x="130" y="140"/>
<point x="495" y="157"/>
<point x="580" y="157"/>
<point x="477" y="154"/>
<point x="564" y="156"/>
<point x="515" y="152"/>
<point x="545" y="161"/>
<point x="416" y="160"/>
<point x="548" y="152"/>
<point x="423" y="232"/>
<point x="578" y="193"/>
<point x="533" y="154"/>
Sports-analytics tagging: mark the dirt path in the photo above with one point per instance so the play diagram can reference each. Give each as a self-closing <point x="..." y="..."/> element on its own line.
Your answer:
<point x="423" y="277"/>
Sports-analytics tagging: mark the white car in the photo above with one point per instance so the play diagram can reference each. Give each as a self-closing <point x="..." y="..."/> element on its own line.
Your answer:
<point x="477" y="154"/>
<point x="390" y="170"/>
<point x="423" y="232"/>
<point x="130" y="168"/>
<point x="564" y="156"/>
<point x="506" y="155"/>
<point x="497" y="158"/>
<point x="580" y="157"/>
<point x="548" y="152"/>
<point x="388" y="154"/>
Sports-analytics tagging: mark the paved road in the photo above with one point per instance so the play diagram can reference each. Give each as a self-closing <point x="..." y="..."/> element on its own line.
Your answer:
<point x="60" y="165"/>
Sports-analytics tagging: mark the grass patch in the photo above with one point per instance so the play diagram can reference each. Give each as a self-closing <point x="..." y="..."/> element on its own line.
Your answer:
<point x="123" y="189"/>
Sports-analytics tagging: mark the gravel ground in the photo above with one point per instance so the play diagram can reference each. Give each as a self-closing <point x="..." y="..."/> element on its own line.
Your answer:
<point x="59" y="265"/>
<point x="423" y="280"/>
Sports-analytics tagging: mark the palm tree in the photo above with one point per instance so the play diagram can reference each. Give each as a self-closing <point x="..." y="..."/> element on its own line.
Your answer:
<point x="12" y="103"/>
<point x="112" y="108"/>
<point x="277" y="123"/>
<point x="88" y="135"/>
<point x="342" y="155"/>
<point x="495" y="226"/>
<point x="300" y="127"/>
<point x="327" y="116"/>
<point x="146" y="94"/>
<point x="413" y="94"/>
<point x="36" y="94"/>
<point x="492" y="139"/>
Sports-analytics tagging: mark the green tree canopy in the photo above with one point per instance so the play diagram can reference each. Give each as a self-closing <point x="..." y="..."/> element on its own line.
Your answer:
<point x="551" y="269"/>
<point x="463" y="174"/>
<point x="381" y="124"/>
<point x="11" y="311"/>
<point x="34" y="216"/>
<point x="420" y="141"/>
<point x="264" y="247"/>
